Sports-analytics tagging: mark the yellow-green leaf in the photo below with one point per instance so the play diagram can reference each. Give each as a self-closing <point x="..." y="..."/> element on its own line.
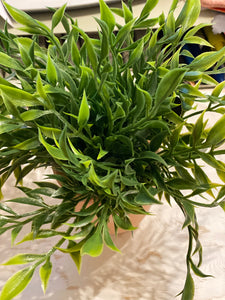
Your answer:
<point x="84" y="112"/>
<point x="17" y="283"/>
<point x="33" y="114"/>
<point x="18" y="97"/>
<point x="20" y="16"/>
<point x="53" y="151"/>
<point x="189" y="14"/>
<point x="217" y="132"/>
<point x="9" y="62"/>
<point x="45" y="272"/>
<point x="51" y="71"/>
<point x="57" y="17"/>
<point x="22" y="259"/>
<point x="107" y="15"/>
<point x="149" y="5"/>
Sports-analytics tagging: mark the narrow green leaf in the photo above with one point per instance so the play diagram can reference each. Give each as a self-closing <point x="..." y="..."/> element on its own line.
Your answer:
<point x="107" y="15"/>
<point x="17" y="283"/>
<point x="198" y="129"/>
<point x="44" y="273"/>
<point x="148" y="7"/>
<point x="51" y="71"/>
<point x="94" y="245"/>
<point x="136" y="54"/>
<point x="33" y="114"/>
<point x="53" y="151"/>
<point x="146" y="23"/>
<point x="128" y="15"/>
<point x="41" y="91"/>
<point x="167" y="85"/>
<point x="81" y="234"/>
<point x="153" y="156"/>
<point x="84" y="112"/>
<point x="4" y="128"/>
<point x="188" y="292"/>
<point x="181" y="184"/>
<point x="90" y="48"/>
<point x="217" y="132"/>
<point x="197" y="40"/>
<point x="123" y="222"/>
<point x="82" y="222"/>
<point x="211" y="161"/>
<point x="144" y="197"/>
<point x="77" y="258"/>
<point x="9" y="62"/>
<point x="191" y="90"/>
<point x="15" y="233"/>
<point x="75" y="53"/>
<point x="197" y="271"/>
<point x="206" y="60"/>
<point x="43" y="234"/>
<point x="29" y="201"/>
<point x="124" y="32"/>
<point x="108" y="240"/>
<point x="189" y="14"/>
<point x="18" y="97"/>
<point x="23" y="259"/>
<point x="190" y="210"/>
<point x="218" y="89"/>
<point x="28" y="144"/>
<point x="20" y="16"/>
<point x="50" y="132"/>
<point x="58" y="15"/>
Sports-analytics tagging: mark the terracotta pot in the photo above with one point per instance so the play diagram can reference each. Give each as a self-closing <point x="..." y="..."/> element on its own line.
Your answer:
<point x="135" y="219"/>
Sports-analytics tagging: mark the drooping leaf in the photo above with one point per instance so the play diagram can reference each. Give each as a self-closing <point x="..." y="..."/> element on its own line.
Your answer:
<point x="108" y="240"/>
<point x="217" y="132"/>
<point x="77" y="258"/>
<point x="188" y="292"/>
<point x="198" y="129"/>
<point x="17" y="283"/>
<point x="45" y="273"/>
<point x="53" y="151"/>
<point x="94" y="245"/>
<point x="123" y="222"/>
<point x="144" y="197"/>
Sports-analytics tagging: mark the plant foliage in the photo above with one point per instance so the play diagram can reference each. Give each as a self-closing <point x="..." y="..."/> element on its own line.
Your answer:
<point x="113" y="118"/>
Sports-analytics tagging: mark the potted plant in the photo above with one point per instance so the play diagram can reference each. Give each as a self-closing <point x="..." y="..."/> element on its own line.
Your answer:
<point x="114" y="121"/>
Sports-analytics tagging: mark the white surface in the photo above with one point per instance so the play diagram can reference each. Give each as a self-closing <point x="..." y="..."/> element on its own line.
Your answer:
<point x="43" y="4"/>
<point x="152" y="266"/>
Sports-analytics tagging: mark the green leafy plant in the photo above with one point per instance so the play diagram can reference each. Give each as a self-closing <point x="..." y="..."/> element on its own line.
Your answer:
<point x="113" y="119"/>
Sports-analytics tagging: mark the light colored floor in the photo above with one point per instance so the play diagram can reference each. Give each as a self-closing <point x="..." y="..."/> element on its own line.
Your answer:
<point x="152" y="264"/>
